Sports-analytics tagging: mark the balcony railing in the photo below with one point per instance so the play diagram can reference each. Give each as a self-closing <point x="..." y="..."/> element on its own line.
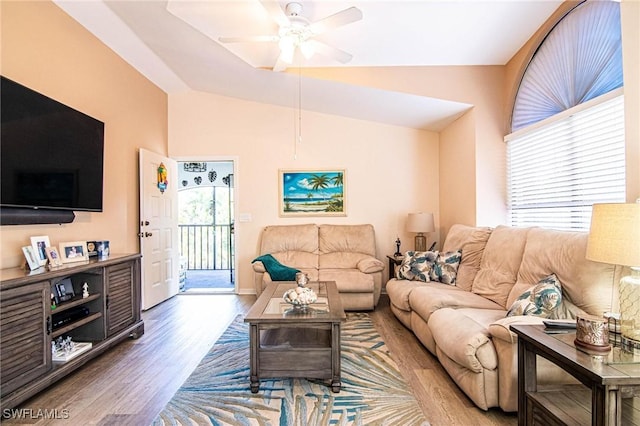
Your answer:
<point x="206" y="246"/>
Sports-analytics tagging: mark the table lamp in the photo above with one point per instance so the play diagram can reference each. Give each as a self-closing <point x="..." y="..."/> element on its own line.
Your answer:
<point x="614" y="237"/>
<point x="420" y="223"/>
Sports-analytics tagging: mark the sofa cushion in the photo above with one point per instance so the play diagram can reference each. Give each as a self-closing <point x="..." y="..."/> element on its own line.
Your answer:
<point x="540" y="300"/>
<point x="586" y="284"/>
<point x="427" y="299"/>
<point x="417" y="265"/>
<point x="348" y="280"/>
<point x="471" y="241"/>
<point x="399" y="291"/>
<point x="445" y="267"/>
<point x="280" y="238"/>
<point x="500" y="263"/>
<point x="347" y="238"/>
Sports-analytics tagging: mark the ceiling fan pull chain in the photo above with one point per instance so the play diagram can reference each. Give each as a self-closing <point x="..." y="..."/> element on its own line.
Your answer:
<point x="299" y="105"/>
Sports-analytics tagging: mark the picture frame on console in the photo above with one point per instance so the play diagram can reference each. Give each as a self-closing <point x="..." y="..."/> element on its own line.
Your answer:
<point x="53" y="256"/>
<point x="75" y="251"/>
<point x="31" y="256"/>
<point x="63" y="291"/>
<point x="314" y="192"/>
<point x="39" y="244"/>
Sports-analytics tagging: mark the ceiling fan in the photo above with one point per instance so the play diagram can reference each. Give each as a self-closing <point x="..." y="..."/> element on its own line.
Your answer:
<point x="296" y="31"/>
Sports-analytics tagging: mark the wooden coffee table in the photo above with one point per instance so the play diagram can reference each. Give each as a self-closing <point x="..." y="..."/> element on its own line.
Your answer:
<point x="288" y="342"/>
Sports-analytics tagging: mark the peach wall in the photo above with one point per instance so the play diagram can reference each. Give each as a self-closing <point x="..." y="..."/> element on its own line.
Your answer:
<point x="46" y="50"/>
<point x="457" y="159"/>
<point x="481" y="86"/>
<point x="630" y="11"/>
<point x="390" y="170"/>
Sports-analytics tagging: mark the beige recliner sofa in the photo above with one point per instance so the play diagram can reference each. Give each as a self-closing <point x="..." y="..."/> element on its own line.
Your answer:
<point x="345" y="254"/>
<point x="465" y="325"/>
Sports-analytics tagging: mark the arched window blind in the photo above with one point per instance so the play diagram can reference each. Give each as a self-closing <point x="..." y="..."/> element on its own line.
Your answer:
<point x="580" y="59"/>
<point x="567" y="150"/>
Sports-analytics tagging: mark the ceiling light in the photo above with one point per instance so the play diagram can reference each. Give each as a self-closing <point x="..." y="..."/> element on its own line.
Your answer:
<point x="287" y="46"/>
<point x="307" y="49"/>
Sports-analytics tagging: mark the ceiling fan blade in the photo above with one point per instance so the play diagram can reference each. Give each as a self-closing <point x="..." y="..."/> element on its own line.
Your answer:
<point x="330" y="51"/>
<point x="248" y="39"/>
<point x="339" y="19"/>
<point x="276" y="12"/>
<point x="280" y="65"/>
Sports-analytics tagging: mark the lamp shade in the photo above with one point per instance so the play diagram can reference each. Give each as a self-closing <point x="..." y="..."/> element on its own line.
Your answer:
<point x="420" y="222"/>
<point x="614" y="236"/>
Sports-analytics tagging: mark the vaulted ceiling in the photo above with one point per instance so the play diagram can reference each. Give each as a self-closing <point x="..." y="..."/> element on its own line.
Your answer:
<point x="175" y="44"/>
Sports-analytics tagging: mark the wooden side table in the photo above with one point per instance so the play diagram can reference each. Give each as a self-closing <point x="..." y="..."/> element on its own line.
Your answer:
<point x="606" y="378"/>
<point x="393" y="262"/>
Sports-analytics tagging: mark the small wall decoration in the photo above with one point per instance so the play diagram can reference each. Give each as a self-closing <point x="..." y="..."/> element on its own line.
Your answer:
<point x="197" y="180"/>
<point x="74" y="252"/>
<point x="195" y="167"/>
<point x="312" y="192"/>
<point x="163" y="182"/>
<point x="213" y="175"/>
<point x="39" y="245"/>
<point x="185" y="182"/>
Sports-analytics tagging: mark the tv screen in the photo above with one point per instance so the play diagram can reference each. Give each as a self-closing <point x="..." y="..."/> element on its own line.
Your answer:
<point x="51" y="155"/>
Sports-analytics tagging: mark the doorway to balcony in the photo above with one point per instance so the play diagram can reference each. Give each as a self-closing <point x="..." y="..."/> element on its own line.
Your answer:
<point x="206" y="226"/>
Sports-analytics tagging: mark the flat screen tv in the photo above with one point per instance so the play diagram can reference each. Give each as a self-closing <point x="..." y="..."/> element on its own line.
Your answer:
<point x="51" y="155"/>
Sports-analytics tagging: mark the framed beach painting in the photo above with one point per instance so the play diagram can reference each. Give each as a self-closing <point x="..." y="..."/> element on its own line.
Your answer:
<point x="312" y="192"/>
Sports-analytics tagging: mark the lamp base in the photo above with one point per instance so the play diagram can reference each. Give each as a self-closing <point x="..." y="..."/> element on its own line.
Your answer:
<point x="630" y="311"/>
<point x="421" y="242"/>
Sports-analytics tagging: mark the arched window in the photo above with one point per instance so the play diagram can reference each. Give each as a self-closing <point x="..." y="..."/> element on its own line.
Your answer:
<point x="566" y="151"/>
<point x="580" y="59"/>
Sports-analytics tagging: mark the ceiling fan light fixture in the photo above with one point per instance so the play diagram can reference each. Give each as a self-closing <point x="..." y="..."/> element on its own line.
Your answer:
<point x="307" y="49"/>
<point x="287" y="45"/>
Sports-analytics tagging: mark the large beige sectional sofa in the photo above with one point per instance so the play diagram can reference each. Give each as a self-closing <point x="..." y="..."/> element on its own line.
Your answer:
<point x="345" y="254"/>
<point x="465" y="325"/>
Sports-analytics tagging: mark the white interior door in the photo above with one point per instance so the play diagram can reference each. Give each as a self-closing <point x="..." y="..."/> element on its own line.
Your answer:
<point x="158" y="230"/>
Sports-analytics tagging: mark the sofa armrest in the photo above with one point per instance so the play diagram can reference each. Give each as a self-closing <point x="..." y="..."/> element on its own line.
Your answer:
<point x="500" y="328"/>
<point x="370" y="265"/>
<point x="258" y="266"/>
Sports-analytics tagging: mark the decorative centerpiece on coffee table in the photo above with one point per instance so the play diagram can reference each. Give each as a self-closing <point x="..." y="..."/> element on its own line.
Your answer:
<point x="300" y="297"/>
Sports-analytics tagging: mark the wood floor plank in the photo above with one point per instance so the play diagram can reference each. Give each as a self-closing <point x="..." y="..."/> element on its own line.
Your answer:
<point x="130" y="384"/>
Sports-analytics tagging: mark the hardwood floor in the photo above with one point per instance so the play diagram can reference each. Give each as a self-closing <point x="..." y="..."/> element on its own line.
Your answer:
<point x="130" y="384"/>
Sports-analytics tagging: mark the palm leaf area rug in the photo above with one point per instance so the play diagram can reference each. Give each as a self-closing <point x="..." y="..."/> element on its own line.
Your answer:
<point x="373" y="390"/>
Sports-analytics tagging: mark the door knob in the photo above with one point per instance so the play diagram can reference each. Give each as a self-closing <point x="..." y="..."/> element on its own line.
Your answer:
<point x="148" y="234"/>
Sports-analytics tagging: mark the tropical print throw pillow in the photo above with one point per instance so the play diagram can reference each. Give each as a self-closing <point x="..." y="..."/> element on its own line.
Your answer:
<point x="540" y="300"/>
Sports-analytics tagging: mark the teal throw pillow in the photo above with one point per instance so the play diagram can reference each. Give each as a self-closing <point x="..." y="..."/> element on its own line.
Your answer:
<point x="540" y="300"/>
<point x="277" y="270"/>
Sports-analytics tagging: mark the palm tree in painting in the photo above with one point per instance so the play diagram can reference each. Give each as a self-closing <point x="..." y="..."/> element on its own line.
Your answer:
<point x="338" y="180"/>
<point x="319" y="182"/>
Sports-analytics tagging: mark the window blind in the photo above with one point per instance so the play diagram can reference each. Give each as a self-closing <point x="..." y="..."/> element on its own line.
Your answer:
<point x="580" y="59"/>
<point x="558" y="168"/>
